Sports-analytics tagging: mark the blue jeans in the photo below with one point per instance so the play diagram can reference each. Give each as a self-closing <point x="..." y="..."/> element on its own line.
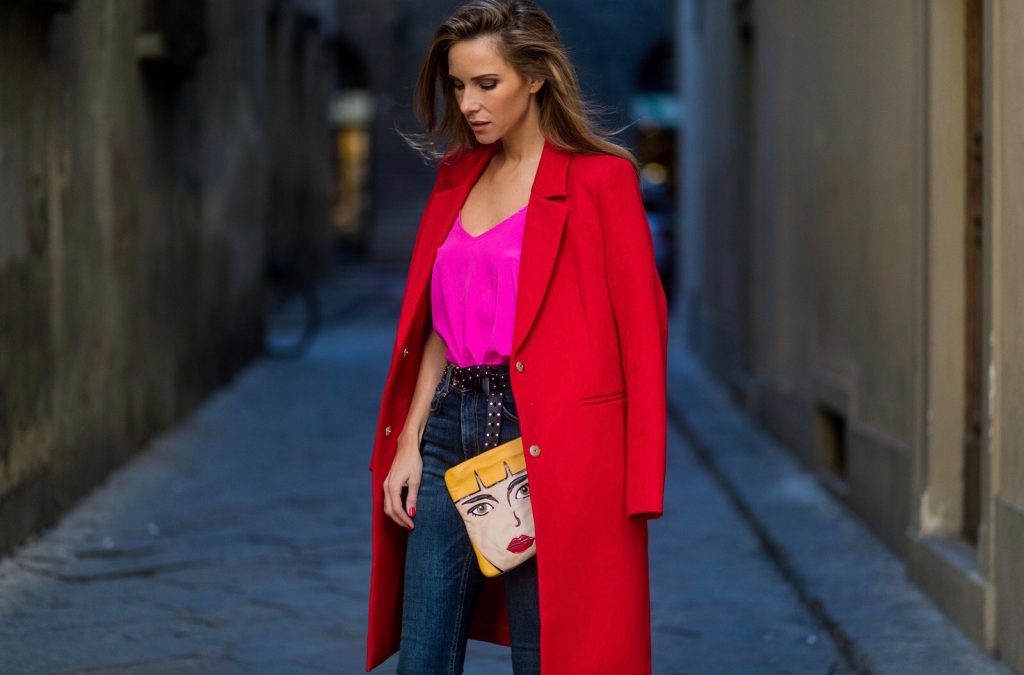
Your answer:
<point x="442" y="576"/>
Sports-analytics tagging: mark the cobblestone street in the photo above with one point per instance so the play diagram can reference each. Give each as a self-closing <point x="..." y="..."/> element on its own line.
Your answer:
<point x="238" y="541"/>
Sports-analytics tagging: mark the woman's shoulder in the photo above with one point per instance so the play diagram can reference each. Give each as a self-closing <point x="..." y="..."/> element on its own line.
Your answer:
<point x="602" y="169"/>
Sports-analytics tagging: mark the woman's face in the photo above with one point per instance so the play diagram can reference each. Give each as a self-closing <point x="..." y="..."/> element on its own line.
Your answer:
<point x="506" y="511"/>
<point x="492" y="97"/>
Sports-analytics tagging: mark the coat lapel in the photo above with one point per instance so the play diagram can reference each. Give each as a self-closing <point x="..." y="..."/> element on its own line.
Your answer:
<point x="542" y="234"/>
<point x="542" y="231"/>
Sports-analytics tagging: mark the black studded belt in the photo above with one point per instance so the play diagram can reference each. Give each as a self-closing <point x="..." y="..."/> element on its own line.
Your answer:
<point x="493" y="380"/>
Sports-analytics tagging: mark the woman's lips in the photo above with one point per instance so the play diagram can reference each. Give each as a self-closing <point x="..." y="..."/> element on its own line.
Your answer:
<point x="478" y="126"/>
<point x="520" y="543"/>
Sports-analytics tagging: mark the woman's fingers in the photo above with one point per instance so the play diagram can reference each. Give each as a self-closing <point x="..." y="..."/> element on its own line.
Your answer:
<point x="393" y="501"/>
<point x="410" y="498"/>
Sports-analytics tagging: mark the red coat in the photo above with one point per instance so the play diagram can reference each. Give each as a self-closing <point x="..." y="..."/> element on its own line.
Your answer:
<point x="589" y="366"/>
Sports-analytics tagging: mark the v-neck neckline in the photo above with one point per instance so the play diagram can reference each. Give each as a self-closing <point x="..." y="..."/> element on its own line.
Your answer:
<point x="492" y="227"/>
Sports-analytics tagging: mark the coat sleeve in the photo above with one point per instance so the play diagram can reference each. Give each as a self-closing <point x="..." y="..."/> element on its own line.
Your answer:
<point x="641" y="319"/>
<point x="385" y="411"/>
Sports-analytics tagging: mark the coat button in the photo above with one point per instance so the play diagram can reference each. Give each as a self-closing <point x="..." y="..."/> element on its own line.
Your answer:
<point x="535" y="450"/>
<point x="405" y="352"/>
<point x="387" y="430"/>
<point x="519" y="366"/>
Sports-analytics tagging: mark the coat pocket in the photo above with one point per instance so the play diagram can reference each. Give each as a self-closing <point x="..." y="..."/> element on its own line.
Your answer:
<point x="598" y="399"/>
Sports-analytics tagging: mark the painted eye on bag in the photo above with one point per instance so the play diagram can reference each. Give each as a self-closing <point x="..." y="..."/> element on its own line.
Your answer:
<point x="523" y="492"/>
<point x="481" y="509"/>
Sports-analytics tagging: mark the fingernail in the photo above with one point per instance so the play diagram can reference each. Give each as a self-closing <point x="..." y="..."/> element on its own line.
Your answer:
<point x="412" y="511"/>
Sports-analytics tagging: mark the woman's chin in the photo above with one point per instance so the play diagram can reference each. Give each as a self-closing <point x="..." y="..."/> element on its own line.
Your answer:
<point x="486" y="135"/>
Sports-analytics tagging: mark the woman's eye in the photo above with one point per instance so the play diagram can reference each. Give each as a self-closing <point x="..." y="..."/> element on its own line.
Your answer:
<point x="483" y="85"/>
<point x="523" y="492"/>
<point x="481" y="509"/>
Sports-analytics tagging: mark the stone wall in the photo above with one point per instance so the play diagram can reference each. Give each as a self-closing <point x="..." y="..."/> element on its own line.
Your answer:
<point x="133" y="235"/>
<point x="835" y="277"/>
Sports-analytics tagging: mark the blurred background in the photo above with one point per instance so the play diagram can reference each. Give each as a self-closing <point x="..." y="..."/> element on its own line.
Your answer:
<point x="189" y="186"/>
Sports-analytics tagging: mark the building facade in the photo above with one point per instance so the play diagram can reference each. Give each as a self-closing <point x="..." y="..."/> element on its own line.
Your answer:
<point x="142" y="146"/>
<point x="851" y="221"/>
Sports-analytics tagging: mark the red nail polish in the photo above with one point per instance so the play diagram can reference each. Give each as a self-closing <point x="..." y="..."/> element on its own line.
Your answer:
<point x="412" y="511"/>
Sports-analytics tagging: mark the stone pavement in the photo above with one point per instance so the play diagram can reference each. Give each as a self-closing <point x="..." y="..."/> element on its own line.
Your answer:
<point x="843" y="575"/>
<point x="238" y="541"/>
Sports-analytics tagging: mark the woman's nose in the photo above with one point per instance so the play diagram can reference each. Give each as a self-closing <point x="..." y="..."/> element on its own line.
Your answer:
<point x="468" y="104"/>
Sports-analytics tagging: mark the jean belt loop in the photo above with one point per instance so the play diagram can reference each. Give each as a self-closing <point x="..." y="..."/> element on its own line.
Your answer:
<point x="447" y="378"/>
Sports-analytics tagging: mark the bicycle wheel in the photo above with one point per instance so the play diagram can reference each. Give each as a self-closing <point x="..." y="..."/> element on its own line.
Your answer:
<point x="292" y="318"/>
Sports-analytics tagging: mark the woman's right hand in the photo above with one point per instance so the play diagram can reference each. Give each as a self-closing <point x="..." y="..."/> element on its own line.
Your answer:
<point x="406" y="471"/>
<point x="407" y="467"/>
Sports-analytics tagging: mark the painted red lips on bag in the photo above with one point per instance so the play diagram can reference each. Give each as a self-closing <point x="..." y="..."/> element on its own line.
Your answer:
<point x="520" y="543"/>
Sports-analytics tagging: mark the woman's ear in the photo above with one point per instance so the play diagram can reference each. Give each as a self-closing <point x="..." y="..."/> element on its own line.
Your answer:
<point x="536" y="85"/>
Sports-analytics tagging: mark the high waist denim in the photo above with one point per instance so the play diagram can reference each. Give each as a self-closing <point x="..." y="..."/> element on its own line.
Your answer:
<point x="442" y="577"/>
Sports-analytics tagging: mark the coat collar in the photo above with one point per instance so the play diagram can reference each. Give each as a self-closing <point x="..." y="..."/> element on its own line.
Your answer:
<point x="550" y="180"/>
<point x="542" y="234"/>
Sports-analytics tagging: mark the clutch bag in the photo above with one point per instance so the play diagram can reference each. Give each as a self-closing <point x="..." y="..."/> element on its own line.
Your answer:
<point x="492" y="494"/>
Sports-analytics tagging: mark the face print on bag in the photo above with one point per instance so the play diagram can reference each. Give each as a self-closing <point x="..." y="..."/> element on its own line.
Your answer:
<point x="492" y="494"/>
<point x="498" y="514"/>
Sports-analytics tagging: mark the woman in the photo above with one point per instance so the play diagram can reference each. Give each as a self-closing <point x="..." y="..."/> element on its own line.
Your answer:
<point x="532" y="308"/>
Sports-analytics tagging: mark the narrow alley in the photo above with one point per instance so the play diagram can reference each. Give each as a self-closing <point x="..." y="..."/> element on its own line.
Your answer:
<point x="238" y="542"/>
<point x="222" y="220"/>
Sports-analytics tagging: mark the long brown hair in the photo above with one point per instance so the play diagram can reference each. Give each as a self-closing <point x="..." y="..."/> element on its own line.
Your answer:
<point x="528" y="40"/>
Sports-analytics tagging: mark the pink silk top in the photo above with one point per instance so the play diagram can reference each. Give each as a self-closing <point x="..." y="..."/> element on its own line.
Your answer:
<point x="473" y="291"/>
